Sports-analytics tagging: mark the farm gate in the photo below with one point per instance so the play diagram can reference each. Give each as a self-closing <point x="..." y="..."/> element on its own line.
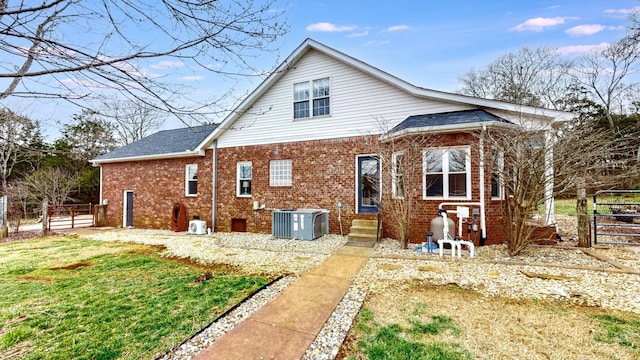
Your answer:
<point x="616" y="217"/>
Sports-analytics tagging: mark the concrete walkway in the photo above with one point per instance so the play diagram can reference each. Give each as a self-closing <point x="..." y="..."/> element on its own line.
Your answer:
<point x="285" y="327"/>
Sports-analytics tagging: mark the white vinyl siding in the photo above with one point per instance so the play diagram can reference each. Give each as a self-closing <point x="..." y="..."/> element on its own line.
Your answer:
<point x="357" y="101"/>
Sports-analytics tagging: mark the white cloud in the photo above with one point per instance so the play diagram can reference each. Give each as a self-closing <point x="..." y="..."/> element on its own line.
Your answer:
<point x="192" y="78"/>
<point x="587" y="29"/>
<point x="581" y="49"/>
<point x="377" y="43"/>
<point x="329" y="27"/>
<point x="622" y="11"/>
<point x="168" y="65"/>
<point x="359" y="34"/>
<point x="539" y="24"/>
<point x="397" y="28"/>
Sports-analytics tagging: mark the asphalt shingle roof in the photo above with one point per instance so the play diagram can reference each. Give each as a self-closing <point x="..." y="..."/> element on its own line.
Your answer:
<point x="448" y="118"/>
<point x="163" y="142"/>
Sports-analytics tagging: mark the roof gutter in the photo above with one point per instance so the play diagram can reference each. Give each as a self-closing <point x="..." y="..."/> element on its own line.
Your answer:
<point x="188" y="153"/>
<point x="442" y="129"/>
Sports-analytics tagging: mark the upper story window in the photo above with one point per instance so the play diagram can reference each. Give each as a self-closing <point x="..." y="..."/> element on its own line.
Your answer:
<point x="244" y="178"/>
<point x="311" y="98"/>
<point x="447" y="173"/>
<point x="280" y="172"/>
<point x="191" y="180"/>
<point x="398" y="176"/>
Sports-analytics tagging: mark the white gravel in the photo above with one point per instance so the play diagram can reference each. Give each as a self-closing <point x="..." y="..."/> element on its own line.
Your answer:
<point x="491" y="273"/>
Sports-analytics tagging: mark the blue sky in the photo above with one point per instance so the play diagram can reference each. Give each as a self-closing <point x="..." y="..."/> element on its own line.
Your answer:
<point x="431" y="43"/>
<point x="427" y="43"/>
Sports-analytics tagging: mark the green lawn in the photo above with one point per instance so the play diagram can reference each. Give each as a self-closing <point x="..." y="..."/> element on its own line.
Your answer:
<point x="65" y="298"/>
<point x="568" y="206"/>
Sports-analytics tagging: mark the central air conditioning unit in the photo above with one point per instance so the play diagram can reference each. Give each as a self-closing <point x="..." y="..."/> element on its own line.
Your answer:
<point x="301" y="224"/>
<point x="197" y="227"/>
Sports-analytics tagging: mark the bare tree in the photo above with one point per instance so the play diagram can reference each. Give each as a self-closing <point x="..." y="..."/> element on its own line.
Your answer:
<point x="401" y="187"/>
<point x="569" y="158"/>
<point x="531" y="76"/>
<point x="16" y="134"/>
<point x="116" y="42"/>
<point x="52" y="184"/>
<point x="131" y="121"/>
<point x="604" y="75"/>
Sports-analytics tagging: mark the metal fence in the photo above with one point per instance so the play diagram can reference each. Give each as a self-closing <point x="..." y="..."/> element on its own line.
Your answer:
<point x="616" y="217"/>
<point x="69" y="216"/>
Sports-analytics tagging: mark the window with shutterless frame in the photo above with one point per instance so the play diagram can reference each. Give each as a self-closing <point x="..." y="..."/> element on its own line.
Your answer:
<point x="447" y="173"/>
<point x="311" y="98"/>
<point x="191" y="180"/>
<point x="244" y="178"/>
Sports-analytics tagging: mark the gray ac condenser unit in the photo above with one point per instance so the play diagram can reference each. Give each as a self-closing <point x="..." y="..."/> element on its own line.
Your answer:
<point x="301" y="224"/>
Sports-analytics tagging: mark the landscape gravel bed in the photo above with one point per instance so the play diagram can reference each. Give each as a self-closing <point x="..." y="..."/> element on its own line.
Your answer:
<point x="255" y="253"/>
<point x="492" y="273"/>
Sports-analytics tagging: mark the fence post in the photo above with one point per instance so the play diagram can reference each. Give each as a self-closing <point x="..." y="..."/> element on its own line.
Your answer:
<point x="4" y="228"/>
<point x="45" y="217"/>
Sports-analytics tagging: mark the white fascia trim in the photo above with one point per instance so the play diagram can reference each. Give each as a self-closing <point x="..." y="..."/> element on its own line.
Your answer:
<point x="150" y="157"/>
<point x="307" y="44"/>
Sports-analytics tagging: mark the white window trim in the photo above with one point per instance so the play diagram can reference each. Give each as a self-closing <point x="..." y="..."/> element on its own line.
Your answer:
<point x="500" y="175"/>
<point x="238" y="178"/>
<point x="311" y="98"/>
<point x="287" y="166"/>
<point x="445" y="173"/>
<point x="394" y="183"/>
<point x="186" y="179"/>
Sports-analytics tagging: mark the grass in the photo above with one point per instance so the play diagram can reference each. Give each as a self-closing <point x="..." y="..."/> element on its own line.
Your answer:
<point x="617" y="330"/>
<point x="67" y="298"/>
<point x="394" y="341"/>
<point x="568" y="206"/>
<point x="405" y="321"/>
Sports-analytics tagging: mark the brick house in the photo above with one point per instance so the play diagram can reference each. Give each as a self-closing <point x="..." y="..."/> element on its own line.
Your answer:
<point x="311" y="136"/>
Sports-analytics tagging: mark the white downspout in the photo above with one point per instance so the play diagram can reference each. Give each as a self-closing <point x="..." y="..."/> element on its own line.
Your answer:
<point x="100" y="195"/>
<point x="214" y="200"/>
<point x="483" y="221"/>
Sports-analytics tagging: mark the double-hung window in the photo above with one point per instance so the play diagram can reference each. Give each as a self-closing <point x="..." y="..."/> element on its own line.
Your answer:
<point x="280" y="172"/>
<point x="497" y="174"/>
<point x="398" y="175"/>
<point x="191" y="180"/>
<point x="244" y="177"/>
<point x="311" y="98"/>
<point x="301" y="100"/>
<point x="447" y="173"/>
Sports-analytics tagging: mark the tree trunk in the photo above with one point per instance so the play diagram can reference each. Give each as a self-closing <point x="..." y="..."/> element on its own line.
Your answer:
<point x="584" y="239"/>
<point x="45" y="217"/>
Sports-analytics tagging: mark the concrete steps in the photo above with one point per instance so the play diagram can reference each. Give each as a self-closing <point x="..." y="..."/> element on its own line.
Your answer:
<point x="364" y="230"/>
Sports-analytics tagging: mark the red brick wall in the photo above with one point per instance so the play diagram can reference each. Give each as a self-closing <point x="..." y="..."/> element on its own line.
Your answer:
<point x="324" y="173"/>
<point x="157" y="185"/>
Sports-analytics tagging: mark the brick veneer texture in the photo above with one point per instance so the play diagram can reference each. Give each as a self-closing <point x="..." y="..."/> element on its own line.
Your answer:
<point x="323" y="174"/>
